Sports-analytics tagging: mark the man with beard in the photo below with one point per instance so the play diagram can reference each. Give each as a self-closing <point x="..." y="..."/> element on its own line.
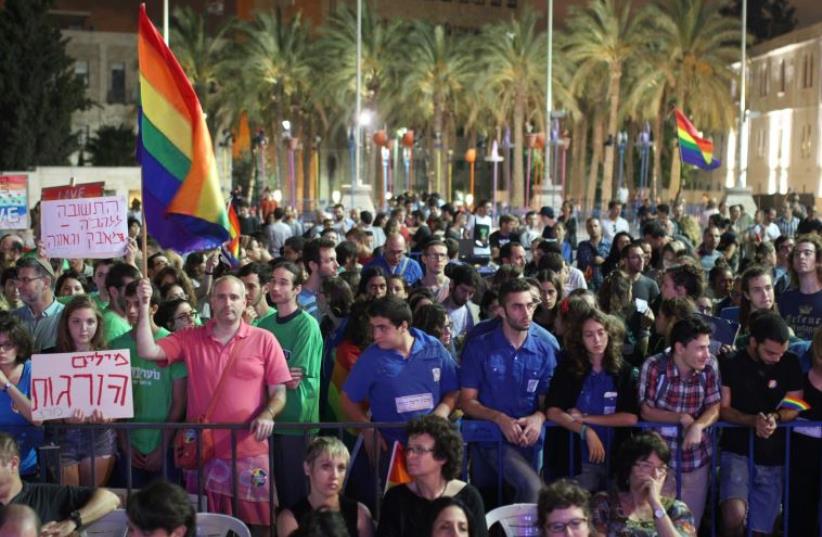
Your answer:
<point x="247" y="366"/>
<point x="463" y="313"/>
<point x="802" y="306"/>
<point x="115" y="322"/>
<point x="320" y="261"/>
<point x="40" y="312"/>
<point x="256" y="277"/>
<point x="681" y="387"/>
<point x="504" y="379"/>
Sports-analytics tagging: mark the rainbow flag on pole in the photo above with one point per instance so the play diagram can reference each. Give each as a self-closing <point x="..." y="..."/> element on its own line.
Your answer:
<point x="397" y="471"/>
<point x="231" y="249"/>
<point x="693" y="149"/>
<point x="794" y="403"/>
<point x="184" y="208"/>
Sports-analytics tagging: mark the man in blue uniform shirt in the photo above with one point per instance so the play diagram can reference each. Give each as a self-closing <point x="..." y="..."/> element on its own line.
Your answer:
<point x="504" y="379"/>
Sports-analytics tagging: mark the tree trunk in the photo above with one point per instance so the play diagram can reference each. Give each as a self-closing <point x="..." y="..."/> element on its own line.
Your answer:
<point x="676" y="164"/>
<point x="656" y="189"/>
<point x="598" y="139"/>
<point x="436" y="144"/>
<point x="630" y="169"/>
<point x="579" y="151"/>
<point x="517" y="194"/>
<point x="613" y="126"/>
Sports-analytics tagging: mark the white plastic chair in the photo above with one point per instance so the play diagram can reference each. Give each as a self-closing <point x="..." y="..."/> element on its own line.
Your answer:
<point x="517" y="520"/>
<point x="217" y="525"/>
<point x="114" y="524"/>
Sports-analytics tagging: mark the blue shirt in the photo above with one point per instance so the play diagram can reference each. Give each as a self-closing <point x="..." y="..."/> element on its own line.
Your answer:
<point x="730" y="313"/>
<point x="598" y="397"/>
<point x="586" y="252"/>
<point x="28" y="437"/>
<point x="43" y="329"/>
<point x="489" y="325"/>
<point x="409" y="269"/>
<point x="307" y="300"/>
<point x="509" y="380"/>
<point x="802" y="312"/>
<point x="397" y="388"/>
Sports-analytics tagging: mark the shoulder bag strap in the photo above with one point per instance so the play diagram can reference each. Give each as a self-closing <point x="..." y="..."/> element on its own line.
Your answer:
<point x="215" y="397"/>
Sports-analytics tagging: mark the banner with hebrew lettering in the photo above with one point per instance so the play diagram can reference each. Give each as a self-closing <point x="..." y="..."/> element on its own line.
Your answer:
<point x="14" y="202"/>
<point x="61" y="383"/>
<point x="94" y="228"/>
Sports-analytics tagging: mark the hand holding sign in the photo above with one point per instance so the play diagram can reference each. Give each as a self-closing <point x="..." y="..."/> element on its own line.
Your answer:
<point x="85" y="228"/>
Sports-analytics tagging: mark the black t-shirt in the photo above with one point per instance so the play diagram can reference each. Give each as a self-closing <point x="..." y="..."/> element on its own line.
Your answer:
<point x="53" y="502"/>
<point x="646" y="289"/>
<point x="404" y="514"/>
<point x="757" y="387"/>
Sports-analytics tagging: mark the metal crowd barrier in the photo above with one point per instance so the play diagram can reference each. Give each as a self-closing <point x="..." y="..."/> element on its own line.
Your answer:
<point x="473" y="432"/>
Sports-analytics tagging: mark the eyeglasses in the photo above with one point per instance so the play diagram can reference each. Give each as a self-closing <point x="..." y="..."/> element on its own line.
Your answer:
<point x="7" y="345"/>
<point x="187" y="316"/>
<point x="419" y="450"/>
<point x="651" y="467"/>
<point x="25" y="280"/>
<point x="575" y="524"/>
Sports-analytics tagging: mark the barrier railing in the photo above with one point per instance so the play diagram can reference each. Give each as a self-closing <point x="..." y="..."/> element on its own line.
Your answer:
<point x="472" y="431"/>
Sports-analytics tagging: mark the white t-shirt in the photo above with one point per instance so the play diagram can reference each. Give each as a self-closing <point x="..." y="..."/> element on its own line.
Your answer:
<point x="611" y="227"/>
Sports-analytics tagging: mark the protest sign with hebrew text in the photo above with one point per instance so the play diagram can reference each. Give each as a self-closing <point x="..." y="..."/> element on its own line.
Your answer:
<point x="95" y="380"/>
<point x="93" y="228"/>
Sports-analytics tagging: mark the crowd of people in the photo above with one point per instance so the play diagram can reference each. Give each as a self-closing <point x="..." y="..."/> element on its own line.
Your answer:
<point x="427" y="318"/>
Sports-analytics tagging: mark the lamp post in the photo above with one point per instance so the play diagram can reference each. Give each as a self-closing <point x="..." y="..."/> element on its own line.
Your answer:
<point x="644" y="144"/>
<point x="471" y="159"/>
<point x="622" y="143"/>
<point x="743" y="70"/>
<point x="494" y="158"/>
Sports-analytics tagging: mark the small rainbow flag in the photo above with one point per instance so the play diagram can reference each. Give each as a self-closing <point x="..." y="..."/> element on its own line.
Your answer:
<point x="185" y="210"/>
<point x="232" y="247"/>
<point x="693" y="149"/>
<point x="397" y="471"/>
<point x="794" y="403"/>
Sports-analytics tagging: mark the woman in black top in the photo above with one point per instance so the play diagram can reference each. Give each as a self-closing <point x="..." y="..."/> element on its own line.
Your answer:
<point x="433" y="459"/>
<point x="591" y="391"/>
<point x="326" y="462"/>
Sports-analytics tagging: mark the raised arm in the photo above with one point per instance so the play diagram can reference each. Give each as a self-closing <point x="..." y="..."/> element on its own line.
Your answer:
<point x="146" y="346"/>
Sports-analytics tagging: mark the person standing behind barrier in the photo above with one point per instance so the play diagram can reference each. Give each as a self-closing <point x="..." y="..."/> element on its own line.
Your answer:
<point x="591" y="391"/>
<point x="754" y="381"/>
<point x="504" y="379"/>
<point x="254" y="392"/>
<point x="161" y="509"/>
<point x="326" y="465"/>
<point x="806" y="448"/>
<point x="681" y="386"/>
<point x="299" y="335"/>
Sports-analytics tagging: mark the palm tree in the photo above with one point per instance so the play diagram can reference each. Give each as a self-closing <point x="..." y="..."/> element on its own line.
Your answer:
<point x="687" y="65"/>
<point x="200" y="55"/>
<point x="605" y="34"/>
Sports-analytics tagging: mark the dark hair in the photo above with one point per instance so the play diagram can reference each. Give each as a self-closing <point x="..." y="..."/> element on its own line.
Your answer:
<point x="279" y="213"/>
<point x="394" y="309"/>
<point x="193" y="260"/>
<point x="754" y="271"/>
<point x="321" y="523"/>
<point x="262" y="270"/>
<point x="8" y="274"/>
<point x="577" y="354"/>
<point x="180" y="278"/>
<point x="296" y="243"/>
<point x="290" y="266"/>
<point x="505" y="250"/>
<point x="688" y="329"/>
<point x="133" y="221"/>
<point x="444" y="502"/>
<point x="17" y="334"/>
<point x="431" y="318"/>
<point x="418" y="294"/>
<point x="346" y="250"/>
<point x="769" y="325"/>
<point x="654" y="229"/>
<point x="165" y="313"/>
<point x="311" y="251"/>
<point x="447" y="441"/>
<point x="638" y="448"/>
<point x="74" y="275"/>
<point x="503" y="274"/>
<point x="338" y="296"/>
<point x="552" y="261"/>
<point x="366" y="217"/>
<point x="614" y="292"/>
<point x="689" y="277"/>
<point x="161" y="505"/>
<point x="357" y="330"/>
<point x="34" y="263"/>
<point x="453" y="246"/>
<point x="663" y="208"/>
<point x="65" y="343"/>
<point x="119" y="272"/>
<point x="8" y="447"/>
<point x="131" y="290"/>
<point x="562" y="494"/>
<point x="463" y="275"/>
<point x="367" y="275"/>
<point x="817" y="243"/>
<point x="434" y="242"/>
<point x="517" y="285"/>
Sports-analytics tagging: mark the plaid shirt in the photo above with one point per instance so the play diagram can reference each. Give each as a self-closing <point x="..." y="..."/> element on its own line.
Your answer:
<point x="662" y="386"/>
<point x="787" y="227"/>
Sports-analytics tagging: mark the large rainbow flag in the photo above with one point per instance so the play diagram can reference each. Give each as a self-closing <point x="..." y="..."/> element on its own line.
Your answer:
<point x="184" y="208"/>
<point x="693" y="149"/>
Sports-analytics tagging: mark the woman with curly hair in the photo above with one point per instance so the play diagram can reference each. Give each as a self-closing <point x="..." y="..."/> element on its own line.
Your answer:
<point x="563" y="505"/>
<point x="433" y="457"/>
<point x="173" y="276"/>
<point x="433" y="320"/>
<point x="593" y="390"/>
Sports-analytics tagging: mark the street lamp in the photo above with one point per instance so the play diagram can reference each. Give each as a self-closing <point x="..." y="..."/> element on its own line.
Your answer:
<point x="495" y="158"/>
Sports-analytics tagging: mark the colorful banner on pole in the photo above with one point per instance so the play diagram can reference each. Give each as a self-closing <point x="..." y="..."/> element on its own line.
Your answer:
<point x="62" y="383"/>
<point x="92" y="228"/>
<point x="14" y="199"/>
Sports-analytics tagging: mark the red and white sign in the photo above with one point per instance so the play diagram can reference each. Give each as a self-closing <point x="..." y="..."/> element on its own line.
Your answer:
<point x="86" y="190"/>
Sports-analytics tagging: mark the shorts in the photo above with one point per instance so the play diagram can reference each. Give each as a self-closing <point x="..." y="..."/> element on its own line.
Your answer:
<point x="76" y="445"/>
<point x="763" y="498"/>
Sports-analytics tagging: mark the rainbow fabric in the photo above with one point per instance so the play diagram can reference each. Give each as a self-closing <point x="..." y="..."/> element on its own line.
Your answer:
<point x="232" y="247"/>
<point x="693" y="149"/>
<point x="397" y="471"/>
<point x="794" y="403"/>
<point x="184" y="208"/>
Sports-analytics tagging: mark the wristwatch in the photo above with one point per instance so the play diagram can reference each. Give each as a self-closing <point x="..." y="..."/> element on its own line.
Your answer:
<point x="659" y="513"/>
<point x="75" y="517"/>
<point x="6" y="386"/>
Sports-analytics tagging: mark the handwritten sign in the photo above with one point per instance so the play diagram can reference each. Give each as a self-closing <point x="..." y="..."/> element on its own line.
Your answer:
<point x="61" y="383"/>
<point x="85" y="228"/>
<point x="14" y="202"/>
<point x="86" y="190"/>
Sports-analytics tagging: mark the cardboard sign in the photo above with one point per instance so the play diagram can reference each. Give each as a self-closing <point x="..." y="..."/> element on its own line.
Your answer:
<point x="86" y="190"/>
<point x="14" y="202"/>
<point x="94" y="228"/>
<point x="61" y="383"/>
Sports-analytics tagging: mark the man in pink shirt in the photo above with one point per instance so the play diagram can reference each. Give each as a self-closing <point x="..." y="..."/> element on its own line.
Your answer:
<point x="253" y="391"/>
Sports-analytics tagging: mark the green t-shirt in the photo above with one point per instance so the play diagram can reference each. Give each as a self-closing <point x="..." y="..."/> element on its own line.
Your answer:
<point x="270" y="313"/>
<point x="114" y="326"/>
<point x="151" y="388"/>
<point x="299" y="336"/>
<point x="95" y="296"/>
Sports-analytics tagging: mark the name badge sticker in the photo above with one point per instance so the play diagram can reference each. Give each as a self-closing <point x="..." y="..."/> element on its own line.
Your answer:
<point x="668" y="431"/>
<point x="610" y="403"/>
<point x="414" y="403"/>
<point x="532" y="385"/>
<point x="436" y="372"/>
